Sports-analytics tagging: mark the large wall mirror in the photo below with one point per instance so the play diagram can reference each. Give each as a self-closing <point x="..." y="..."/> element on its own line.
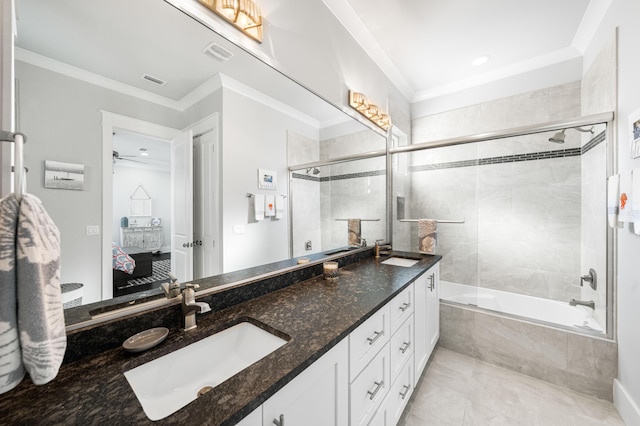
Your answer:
<point x="142" y="95"/>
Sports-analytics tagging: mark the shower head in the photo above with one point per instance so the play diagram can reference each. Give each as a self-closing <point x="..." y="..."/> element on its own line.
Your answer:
<point x="558" y="137"/>
<point x="315" y="170"/>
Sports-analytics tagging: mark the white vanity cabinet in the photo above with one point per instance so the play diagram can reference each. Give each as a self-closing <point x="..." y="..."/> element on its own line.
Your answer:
<point x="316" y="397"/>
<point x="427" y="316"/>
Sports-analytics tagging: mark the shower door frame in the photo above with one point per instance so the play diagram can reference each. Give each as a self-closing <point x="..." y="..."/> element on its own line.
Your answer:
<point x="611" y="166"/>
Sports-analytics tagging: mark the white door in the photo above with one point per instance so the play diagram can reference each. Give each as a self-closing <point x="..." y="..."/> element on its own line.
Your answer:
<point x="206" y="198"/>
<point x="182" y="206"/>
<point x="7" y="29"/>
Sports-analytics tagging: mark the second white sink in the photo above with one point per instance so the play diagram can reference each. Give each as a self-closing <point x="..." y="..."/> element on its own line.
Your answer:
<point x="170" y="382"/>
<point x="400" y="261"/>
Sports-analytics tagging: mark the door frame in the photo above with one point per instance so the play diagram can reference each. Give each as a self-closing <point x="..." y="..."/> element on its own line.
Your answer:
<point x="110" y="122"/>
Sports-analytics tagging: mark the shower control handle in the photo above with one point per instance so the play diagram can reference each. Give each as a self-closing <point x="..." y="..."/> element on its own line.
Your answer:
<point x="591" y="278"/>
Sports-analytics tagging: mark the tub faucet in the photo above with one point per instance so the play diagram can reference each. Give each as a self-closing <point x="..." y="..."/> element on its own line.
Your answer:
<point x="190" y="307"/>
<point x="590" y="304"/>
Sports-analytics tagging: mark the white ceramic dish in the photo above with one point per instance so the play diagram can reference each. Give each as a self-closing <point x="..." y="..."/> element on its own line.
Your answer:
<point x="145" y="339"/>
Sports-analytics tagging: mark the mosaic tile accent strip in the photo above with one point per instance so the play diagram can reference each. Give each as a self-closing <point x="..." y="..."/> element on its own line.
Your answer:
<point x="339" y="177"/>
<point x="594" y="142"/>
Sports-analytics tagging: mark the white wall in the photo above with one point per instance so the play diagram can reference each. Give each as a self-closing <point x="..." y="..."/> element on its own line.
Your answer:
<point x="254" y="136"/>
<point x="62" y="117"/>
<point x="623" y="14"/>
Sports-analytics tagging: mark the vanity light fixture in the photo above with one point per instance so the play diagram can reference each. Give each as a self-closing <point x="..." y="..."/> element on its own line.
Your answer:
<point x="243" y="14"/>
<point x="373" y="113"/>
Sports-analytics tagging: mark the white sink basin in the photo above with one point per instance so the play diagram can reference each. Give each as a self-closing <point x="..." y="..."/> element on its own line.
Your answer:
<point x="170" y="382"/>
<point x="400" y="261"/>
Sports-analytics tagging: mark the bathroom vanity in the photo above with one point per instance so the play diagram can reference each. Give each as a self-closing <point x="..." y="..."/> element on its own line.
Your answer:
<point x="361" y="339"/>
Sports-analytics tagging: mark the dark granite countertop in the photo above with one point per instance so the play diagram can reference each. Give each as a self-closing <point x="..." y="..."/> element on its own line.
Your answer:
<point x="316" y="314"/>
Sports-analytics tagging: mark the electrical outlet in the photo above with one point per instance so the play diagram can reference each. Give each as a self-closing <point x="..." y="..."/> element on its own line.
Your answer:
<point x="307" y="245"/>
<point x="237" y="230"/>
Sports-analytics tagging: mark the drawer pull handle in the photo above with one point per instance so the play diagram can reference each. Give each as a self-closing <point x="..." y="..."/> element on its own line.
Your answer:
<point x="281" y="422"/>
<point x="376" y="336"/>
<point x="432" y="278"/>
<point x="405" y="306"/>
<point x="404" y="393"/>
<point x="405" y="347"/>
<point x="379" y="385"/>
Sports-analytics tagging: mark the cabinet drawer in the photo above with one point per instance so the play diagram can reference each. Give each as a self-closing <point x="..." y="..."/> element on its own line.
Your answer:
<point x="401" y="347"/>
<point x="401" y="307"/>
<point x="399" y="394"/>
<point x="367" y="340"/>
<point x="368" y="391"/>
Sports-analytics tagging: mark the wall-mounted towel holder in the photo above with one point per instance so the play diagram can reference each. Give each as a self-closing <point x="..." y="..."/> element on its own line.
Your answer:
<point x="437" y="220"/>
<point x="19" y="140"/>
<point x="361" y="220"/>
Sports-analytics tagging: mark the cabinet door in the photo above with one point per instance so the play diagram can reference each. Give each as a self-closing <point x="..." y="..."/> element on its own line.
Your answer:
<point x="420" y="317"/>
<point x="316" y="397"/>
<point x="433" y="308"/>
<point x="253" y="419"/>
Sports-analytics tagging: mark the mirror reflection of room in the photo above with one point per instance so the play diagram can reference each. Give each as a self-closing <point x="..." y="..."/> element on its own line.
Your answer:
<point x="142" y="225"/>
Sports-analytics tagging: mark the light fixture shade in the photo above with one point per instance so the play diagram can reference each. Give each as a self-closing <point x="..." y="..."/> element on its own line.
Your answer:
<point x="243" y="14"/>
<point x="372" y="112"/>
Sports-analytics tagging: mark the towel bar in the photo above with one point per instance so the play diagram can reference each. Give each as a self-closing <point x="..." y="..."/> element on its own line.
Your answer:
<point x="361" y="220"/>
<point x="437" y="220"/>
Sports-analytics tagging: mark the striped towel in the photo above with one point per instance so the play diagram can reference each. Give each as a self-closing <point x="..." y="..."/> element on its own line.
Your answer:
<point x="355" y="231"/>
<point x="11" y="368"/>
<point x="40" y="314"/>
<point x="427" y="235"/>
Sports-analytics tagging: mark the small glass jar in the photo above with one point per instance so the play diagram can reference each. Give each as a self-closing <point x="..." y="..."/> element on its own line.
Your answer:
<point x="330" y="270"/>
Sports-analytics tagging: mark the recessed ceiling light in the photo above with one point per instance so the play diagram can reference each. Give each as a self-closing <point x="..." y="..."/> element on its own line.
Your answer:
<point x="481" y="60"/>
<point x="143" y="152"/>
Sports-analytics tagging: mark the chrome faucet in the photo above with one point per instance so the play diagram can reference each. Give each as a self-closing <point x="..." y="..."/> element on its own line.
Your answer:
<point x="590" y="304"/>
<point x="190" y="307"/>
<point x="172" y="288"/>
<point x="379" y="247"/>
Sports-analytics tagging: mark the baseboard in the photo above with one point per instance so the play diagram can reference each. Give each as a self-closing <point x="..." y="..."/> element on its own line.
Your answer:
<point x="626" y="407"/>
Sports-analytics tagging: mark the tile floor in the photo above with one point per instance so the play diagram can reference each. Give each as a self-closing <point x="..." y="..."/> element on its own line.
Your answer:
<point x="459" y="390"/>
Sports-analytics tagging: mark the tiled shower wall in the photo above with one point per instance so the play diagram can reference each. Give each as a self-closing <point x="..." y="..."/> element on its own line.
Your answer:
<point x="521" y="206"/>
<point x="354" y="189"/>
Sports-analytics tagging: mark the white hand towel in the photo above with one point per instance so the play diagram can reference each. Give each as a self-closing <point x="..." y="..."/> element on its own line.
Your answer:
<point x="280" y="203"/>
<point x="635" y="199"/>
<point x="40" y="314"/>
<point x="269" y="206"/>
<point x="11" y="367"/>
<point x="427" y="235"/>
<point x="258" y="202"/>
<point x="613" y="194"/>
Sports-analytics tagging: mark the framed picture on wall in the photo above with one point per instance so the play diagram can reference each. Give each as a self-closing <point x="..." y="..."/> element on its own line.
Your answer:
<point x="634" y="128"/>
<point x="267" y="179"/>
<point x="61" y="175"/>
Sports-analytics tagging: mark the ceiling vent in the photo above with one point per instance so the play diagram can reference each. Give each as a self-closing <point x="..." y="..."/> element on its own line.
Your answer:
<point x="153" y="79"/>
<point x="217" y="52"/>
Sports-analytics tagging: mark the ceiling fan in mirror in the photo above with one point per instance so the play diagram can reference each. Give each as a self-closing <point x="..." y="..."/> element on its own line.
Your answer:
<point x="117" y="156"/>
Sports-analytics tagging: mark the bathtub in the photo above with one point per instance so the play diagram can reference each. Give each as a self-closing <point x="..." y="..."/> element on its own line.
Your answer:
<point x="545" y="311"/>
<point x="542" y="338"/>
